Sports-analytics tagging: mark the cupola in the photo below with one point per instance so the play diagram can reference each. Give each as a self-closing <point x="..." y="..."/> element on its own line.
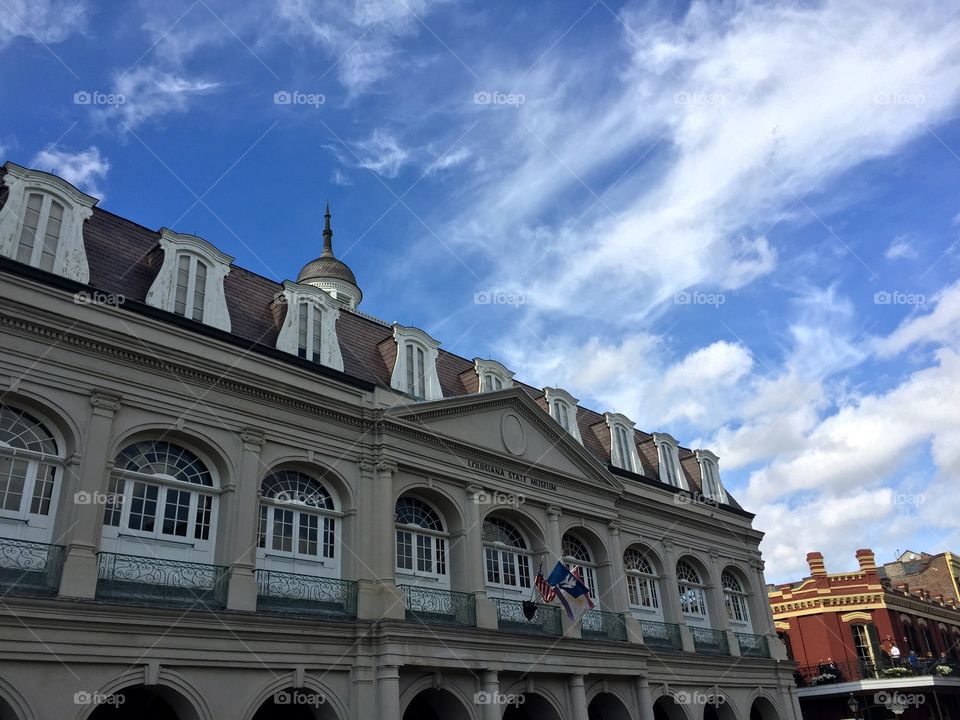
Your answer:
<point x="329" y="274"/>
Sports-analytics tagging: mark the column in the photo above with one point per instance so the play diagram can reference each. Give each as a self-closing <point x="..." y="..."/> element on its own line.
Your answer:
<point x="85" y="512"/>
<point x="475" y="571"/>
<point x="722" y="620"/>
<point x="553" y="535"/>
<point x="379" y="597"/>
<point x="764" y="625"/>
<point x="237" y="536"/>
<point x="671" y="597"/>
<point x="615" y="599"/>
<point x="490" y="687"/>
<point x="578" y="698"/>
<point x="644" y="699"/>
<point x="388" y="691"/>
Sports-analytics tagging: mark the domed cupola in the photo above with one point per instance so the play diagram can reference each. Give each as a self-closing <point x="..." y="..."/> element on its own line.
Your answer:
<point x="330" y="274"/>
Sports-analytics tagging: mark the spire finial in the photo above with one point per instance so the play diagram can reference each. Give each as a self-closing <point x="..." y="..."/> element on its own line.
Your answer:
<point x="327" y="234"/>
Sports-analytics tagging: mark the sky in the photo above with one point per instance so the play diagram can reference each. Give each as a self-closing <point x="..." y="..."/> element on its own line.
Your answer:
<point x="736" y="222"/>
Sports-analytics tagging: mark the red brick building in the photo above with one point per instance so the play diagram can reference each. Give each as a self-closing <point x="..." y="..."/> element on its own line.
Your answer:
<point x="841" y="630"/>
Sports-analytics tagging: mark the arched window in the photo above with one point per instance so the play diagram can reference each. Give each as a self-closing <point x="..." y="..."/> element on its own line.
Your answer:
<point x="506" y="556"/>
<point x="492" y="375"/>
<point x="191" y="287"/>
<point x="575" y="554"/>
<point x="641" y="581"/>
<point x="421" y="541"/>
<point x="297" y="522"/>
<point x="735" y="598"/>
<point x="309" y="331"/>
<point x="563" y="408"/>
<point x="669" y="457"/>
<point x="40" y="232"/>
<point x="693" y="599"/>
<point x="30" y="458"/>
<point x="161" y="491"/>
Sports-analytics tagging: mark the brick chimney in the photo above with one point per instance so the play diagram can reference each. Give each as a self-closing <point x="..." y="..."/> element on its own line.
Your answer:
<point x="815" y="561"/>
<point x="866" y="559"/>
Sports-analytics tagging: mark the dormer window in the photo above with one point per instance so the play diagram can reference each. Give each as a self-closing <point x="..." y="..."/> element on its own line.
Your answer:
<point x="309" y="324"/>
<point x="710" y="476"/>
<point x="492" y="375"/>
<point x="190" y="280"/>
<point x="415" y="368"/>
<point x="623" y="449"/>
<point x="41" y="223"/>
<point x="563" y="409"/>
<point x="669" y="456"/>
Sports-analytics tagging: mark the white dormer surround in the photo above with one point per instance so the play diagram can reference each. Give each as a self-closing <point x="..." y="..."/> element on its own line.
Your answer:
<point x="563" y="409"/>
<point x="190" y="281"/>
<point x="669" y="455"/>
<point x="41" y="223"/>
<point x="710" y="476"/>
<point x="492" y="375"/>
<point x="623" y="448"/>
<point x="415" y="370"/>
<point x="309" y="328"/>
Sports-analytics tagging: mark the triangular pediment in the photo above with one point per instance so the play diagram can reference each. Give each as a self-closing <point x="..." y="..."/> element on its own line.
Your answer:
<point x="509" y="424"/>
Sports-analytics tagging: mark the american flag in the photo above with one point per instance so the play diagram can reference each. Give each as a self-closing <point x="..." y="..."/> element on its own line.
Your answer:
<point x="546" y="592"/>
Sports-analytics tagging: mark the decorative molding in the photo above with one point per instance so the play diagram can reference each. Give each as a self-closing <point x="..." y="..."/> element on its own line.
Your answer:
<point x="293" y="297"/>
<point x="106" y="402"/>
<point x="856" y="615"/>
<point x="402" y="336"/>
<point x="618" y="420"/>
<point x="556" y="396"/>
<point x="492" y="367"/>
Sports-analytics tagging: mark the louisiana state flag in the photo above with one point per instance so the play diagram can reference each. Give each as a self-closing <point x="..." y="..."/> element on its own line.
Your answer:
<point x="571" y="592"/>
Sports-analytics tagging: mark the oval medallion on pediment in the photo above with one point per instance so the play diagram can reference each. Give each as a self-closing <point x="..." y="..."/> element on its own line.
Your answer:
<point x="511" y="430"/>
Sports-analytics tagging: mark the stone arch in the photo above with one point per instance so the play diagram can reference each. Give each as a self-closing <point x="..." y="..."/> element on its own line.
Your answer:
<point x="13" y="706"/>
<point x="206" y="448"/>
<point x="54" y="416"/>
<point x="666" y="706"/>
<point x="174" y="689"/>
<point x="755" y="601"/>
<point x="526" y="523"/>
<point x="422" y="700"/>
<point x="763" y="706"/>
<point x="335" y="709"/>
<point x="538" y="705"/>
<point x="712" y="592"/>
<point x="606" y="705"/>
<point x="428" y="682"/>
<point x="451" y="513"/>
<point x="719" y="705"/>
<point x="344" y="492"/>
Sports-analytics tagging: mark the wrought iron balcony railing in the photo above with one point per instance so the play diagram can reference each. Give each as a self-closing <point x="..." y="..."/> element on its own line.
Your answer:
<point x="293" y="593"/>
<point x="434" y="606"/>
<point x="753" y="645"/>
<point x="710" y="642"/>
<point x="510" y="616"/>
<point x="150" y="580"/>
<point x="30" y="568"/>
<point x="661" y="636"/>
<point x="601" y="625"/>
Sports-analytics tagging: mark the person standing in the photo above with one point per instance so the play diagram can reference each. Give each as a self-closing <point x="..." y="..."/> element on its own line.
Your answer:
<point x="894" y="654"/>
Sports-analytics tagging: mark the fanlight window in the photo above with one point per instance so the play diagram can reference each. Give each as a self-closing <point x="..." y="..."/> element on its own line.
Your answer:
<point x="161" y="490"/>
<point x="641" y="580"/>
<point x="421" y="540"/>
<point x="693" y="600"/>
<point x="734" y="597"/>
<point x="296" y="517"/>
<point x="505" y="554"/>
<point x="40" y="232"/>
<point x="576" y="554"/>
<point x="29" y="456"/>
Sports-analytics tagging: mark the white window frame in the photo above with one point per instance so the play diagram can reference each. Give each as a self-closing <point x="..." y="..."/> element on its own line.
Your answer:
<point x="623" y="450"/>
<point x="289" y="304"/>
<point x="309" y="331"/>
<point x="668" y="453"/>
<point x="502" y="555"/>
<point x="492" y="376"/>
<point x="190" y="291"/>
<point x="710" y="482"/>
<point x="416" y="340"/>
<point x="735" y="599"/>
<point x="562" y="405"/>
<point x="636" y="581"/>
<point x="438" y="543"/>
<point x="588" y="566"/>
<point x="693" y="595"/>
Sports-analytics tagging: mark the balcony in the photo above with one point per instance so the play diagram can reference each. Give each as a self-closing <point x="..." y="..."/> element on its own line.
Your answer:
<point x="710" y="642"/>
<point x="753" y="645"/>
<point x="510" y="617"/>
<point x="832" y="673"/>
<point x="600" y="625"/>
<point x="295" y="594"/>
<point x="29" y="568"/>
<point x="661" y="636"/>
<point x="433" y="606"/>
<point x="152" y="581"/>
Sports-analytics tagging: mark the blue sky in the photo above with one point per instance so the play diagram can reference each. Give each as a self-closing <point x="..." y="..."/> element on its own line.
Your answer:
<point x="736" y="222"/>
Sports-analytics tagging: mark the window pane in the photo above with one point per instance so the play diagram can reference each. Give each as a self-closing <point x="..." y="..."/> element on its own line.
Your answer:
<point x="183" y="282"/>
<point x="523" y="562"/>
<point x="421" y="383"/>
<point x="31" y="219"/>
<point x="441" y="557"/>
<point x="411" y="388"/>
<point x="424" y="553"/>
<point x="302" y="319"/>
<point x="329" y="536"/>
<point x="262" y="527"/>
<point x="13" y="475"/>
<point x="202" y="521"/>
<point x="487" y="383"/>
<point x="307" y="534"/>
<point x="111" y="511"/>
<point x="143" y="507"/>
<point x="317" y="335"/>
<point x="509" y="563"/>
<point x="42" y="490"/>
<point x="493" y="565"/>
<point x="51" y="236"/>
<point x="404" y="550"/>
<point x="283" y="530"/>
<point x="176" y="513"/>
<point x="199" y="291"/>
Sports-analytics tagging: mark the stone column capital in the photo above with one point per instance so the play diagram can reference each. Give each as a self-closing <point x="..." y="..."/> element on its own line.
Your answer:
<point x="105" y="403"/>
<point x="252" y="439"/>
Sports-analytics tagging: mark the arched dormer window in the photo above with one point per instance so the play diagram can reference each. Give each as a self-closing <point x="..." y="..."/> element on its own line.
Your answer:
<point x="297" y="529"/>
<point x="162" y="495"/>
<point x="669" y="457"/>
<point x="41" y="223"/>
<point x="190" y="280"/>
<point x="642" y="584"/>
<point x="693" y="597"/>
<point x="735" y="598"/>
<point x="492" y="375"/>
<point x="563" y="409"/>
<point x="623" y="448"/>
<point x="577" y="555"/>
<point x="506" y="558"/>
<point x="309" y="325"/>
<point x="421" y="542"/>
<point x="710" y="476"/>
<point x="415" y="369"/>
<point x="31" y="460"/>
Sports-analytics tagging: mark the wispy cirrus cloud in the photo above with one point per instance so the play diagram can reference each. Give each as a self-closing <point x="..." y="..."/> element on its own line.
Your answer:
<point x="45" y="21"/>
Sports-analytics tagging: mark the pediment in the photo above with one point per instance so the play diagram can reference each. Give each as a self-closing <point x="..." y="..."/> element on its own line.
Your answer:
<point x="509" y="424"/>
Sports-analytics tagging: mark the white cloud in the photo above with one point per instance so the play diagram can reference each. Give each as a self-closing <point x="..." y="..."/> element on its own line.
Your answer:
<point x="86" y="169"/>
<point x="46" y="21"/>
<point x="940" y="326"/>
<point x="340" y="178"/>
<point x="451" y="158"/>
<point x="381" y="153"/>
<point x="149" y="93"/>
<point x="901" y="249"/>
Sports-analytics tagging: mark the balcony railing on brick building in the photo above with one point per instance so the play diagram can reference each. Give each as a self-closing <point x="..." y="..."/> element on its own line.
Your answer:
<point x="831" y="673"/>
<point x="709" y="642"/>
<point x="152" y="581"/>
<point x="297" y="594"/>
<point x="661" y="636"/>
<point x="600" y="625"/>
<point x="510" y="616"/>
<point x="29" y="568"/>
<point x="434" y="606"/>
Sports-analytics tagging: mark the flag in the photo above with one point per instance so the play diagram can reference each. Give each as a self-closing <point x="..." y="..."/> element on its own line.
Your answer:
<point x="571" y="592"/>
<point x="543" y="587"/>
<point x="576" y="573"/>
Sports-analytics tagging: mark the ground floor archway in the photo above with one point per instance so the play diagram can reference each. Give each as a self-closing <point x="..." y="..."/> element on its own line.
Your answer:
<point x="295" y="704"/>
<point x="667" y="708"/>
<point x="763" y="709"/>
<point x="607" y="706"/>
<point x="140" y="702"/>
<point x="434" y="704"/>
<point x="718" y="710"/>
<point x="530" y="706"/>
